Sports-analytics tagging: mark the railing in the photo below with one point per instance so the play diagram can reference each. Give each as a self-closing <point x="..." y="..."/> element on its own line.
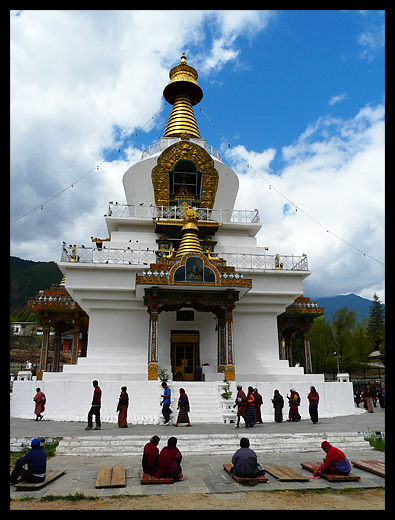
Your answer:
<point x="109" y="255"/>
<point x="177" y="212"/>
<point x="165" y="143"/>
<point x="265" y="262"/>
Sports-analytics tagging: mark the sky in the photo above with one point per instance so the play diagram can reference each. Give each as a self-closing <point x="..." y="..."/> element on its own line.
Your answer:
<point x="293" y="100"/>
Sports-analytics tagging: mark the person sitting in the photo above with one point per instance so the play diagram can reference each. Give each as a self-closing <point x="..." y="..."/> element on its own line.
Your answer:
<point x="245" y="462"/>
<point x="36" y="460"/>
<point x="169" y="461"/>
<point x="335" y="462"/>
<point x="151" y="456"/>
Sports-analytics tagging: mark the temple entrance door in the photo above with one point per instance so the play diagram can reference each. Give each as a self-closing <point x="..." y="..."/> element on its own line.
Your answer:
<point x="184" y="357"/>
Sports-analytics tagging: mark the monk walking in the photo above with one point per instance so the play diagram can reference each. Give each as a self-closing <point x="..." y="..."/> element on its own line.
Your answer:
<point x="242" y="404"/>
<point x="40" y="401"/>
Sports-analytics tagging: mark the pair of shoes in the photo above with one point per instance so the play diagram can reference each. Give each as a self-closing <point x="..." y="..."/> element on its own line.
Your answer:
<point x="235" y="426"/>
<point x="97" y="428"/>
<point x="88" y="428"/>
<point x="175" y="424"/>
<point x="166" y="423"/>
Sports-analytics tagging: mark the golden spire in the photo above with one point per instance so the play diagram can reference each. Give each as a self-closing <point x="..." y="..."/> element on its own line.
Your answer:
<point x="182" y="92"/>
<point x="189" y="242"/>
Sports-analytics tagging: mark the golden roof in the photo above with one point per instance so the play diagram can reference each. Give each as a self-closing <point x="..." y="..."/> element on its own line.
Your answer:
<point x="189" y="242"/>
<point x="182" y="92"/>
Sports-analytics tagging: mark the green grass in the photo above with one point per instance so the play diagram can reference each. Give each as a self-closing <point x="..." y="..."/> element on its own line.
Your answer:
<point x="378" y="444"/>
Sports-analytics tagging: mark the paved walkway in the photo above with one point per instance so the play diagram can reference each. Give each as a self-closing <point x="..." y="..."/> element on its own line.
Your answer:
<point x="202" y="473"/>
<point x="361" y="422"/>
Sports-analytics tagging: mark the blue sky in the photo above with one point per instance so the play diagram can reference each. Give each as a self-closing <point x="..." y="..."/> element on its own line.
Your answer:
<point x="298" y="94"/>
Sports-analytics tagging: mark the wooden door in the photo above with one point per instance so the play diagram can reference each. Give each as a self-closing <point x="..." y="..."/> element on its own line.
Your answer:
<point x="184" y="360"/>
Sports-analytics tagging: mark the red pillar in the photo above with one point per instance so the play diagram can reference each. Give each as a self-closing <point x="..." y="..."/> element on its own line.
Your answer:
<point x="76" y="334"/>
<point x="44" y="344"/>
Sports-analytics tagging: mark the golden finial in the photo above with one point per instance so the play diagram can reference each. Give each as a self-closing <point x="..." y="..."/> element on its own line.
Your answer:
<point x="182" y="92"/>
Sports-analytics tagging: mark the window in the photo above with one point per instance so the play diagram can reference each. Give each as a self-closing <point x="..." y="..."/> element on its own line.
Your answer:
<point x="184" y="315"/>
<point x="194" y="271"/>
<point x="184" y="183"/>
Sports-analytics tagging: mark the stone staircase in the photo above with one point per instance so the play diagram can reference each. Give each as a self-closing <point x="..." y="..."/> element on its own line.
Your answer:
<point x="218" y="444"/>
<point x="204" y="401"/>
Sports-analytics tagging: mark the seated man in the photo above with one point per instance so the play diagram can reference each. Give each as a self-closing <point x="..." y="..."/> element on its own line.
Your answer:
<point x="245" y="461"/>
<point x="335" y="462"/>
<point x="169" y="461"/>
<point x="36" y="461"/>
<point x="151" y="456"/>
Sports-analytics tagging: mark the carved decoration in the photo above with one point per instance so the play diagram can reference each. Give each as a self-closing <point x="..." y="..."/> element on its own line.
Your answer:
<point x="185" y="150"/>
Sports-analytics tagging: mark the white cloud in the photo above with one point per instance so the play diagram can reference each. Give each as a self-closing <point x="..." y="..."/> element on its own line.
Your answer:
<point x="338" y="99"/>
<point x="335" y="173"/>
<point x="80" y="78"/>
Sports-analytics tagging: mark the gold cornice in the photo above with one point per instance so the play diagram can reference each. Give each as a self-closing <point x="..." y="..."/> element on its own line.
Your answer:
<point x="185" y="150"/>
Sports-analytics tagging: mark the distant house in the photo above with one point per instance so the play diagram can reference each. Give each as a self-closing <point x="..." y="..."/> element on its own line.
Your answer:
<point x="25" y="328"/>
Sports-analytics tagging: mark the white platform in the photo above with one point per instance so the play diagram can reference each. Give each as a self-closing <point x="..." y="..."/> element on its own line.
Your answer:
<point x="70" y="399"/>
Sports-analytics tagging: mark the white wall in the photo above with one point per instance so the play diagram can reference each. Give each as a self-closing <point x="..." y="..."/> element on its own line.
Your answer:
<point x="71" y="400"/>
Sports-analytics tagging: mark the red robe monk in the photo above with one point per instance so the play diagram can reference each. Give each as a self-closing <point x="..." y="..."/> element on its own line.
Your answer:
<point x="169" y="461"/>
<point x="40" y="400"/>
<point x="151" y="456"/>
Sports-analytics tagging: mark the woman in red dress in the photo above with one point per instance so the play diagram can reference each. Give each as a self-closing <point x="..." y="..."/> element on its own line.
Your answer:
<point x="294" y="402"/>
<point x="122" y="408"/>
<point x="183" y="406"/>
<point x="242" y="404"/>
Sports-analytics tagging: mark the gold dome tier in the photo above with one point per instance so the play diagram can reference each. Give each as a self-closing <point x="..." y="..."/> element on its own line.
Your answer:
<point x="182" y="92"/>
<point x="182" y="119"/>
<point x="189" y="242"/>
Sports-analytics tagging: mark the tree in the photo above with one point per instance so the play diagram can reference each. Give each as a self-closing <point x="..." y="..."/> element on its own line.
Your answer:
<point x="322" y="346"/>
<point x="341" y="334"/>
<point x="376" y="322"/>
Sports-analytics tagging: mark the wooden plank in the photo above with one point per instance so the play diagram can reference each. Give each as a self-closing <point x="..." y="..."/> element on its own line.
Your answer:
<point x="243" y="480"/>
<point x="104" y="477"/>
<point x="118" y="477"/>
<point x="373" y="466"/>
<point x="111" y="476"/>
<point x="285" y="473"/>
<point x="312" y="466"/>
<point x="50" y="477"/>
<point x="149" y="479"/>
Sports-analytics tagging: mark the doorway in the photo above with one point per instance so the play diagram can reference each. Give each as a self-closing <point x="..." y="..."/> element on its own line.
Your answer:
<point x="184" y="354"/>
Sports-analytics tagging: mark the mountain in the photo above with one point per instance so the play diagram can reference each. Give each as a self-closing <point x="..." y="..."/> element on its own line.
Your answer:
<point x="351" y="301"/>
<point x="27" y="278"/>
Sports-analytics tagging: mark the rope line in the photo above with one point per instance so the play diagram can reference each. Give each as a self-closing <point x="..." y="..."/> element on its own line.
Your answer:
<point x="271" y="186"/>
<point x="96" y="168"/>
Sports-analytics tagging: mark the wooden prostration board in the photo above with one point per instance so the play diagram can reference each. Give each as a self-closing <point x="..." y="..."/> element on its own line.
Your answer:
<point x="149" y="479"/>
<point x="111" y="476"/>
<point x="50" y="477"/>
<point x="312" y="466"/>
<point x="373" y="466"/>
<point x="242" y="480"/>
<point x="284" y="473"/>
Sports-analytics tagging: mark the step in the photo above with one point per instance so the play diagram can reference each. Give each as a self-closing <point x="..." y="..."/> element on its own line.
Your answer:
<point x="129" y="445"/>
<point x="203" y="398"/>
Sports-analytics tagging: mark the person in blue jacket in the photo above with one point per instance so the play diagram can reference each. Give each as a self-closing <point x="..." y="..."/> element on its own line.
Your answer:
<point x="36" y="460"/>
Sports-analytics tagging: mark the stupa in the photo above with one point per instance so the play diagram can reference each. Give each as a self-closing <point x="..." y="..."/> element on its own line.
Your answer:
<point x="180" y="286"/>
